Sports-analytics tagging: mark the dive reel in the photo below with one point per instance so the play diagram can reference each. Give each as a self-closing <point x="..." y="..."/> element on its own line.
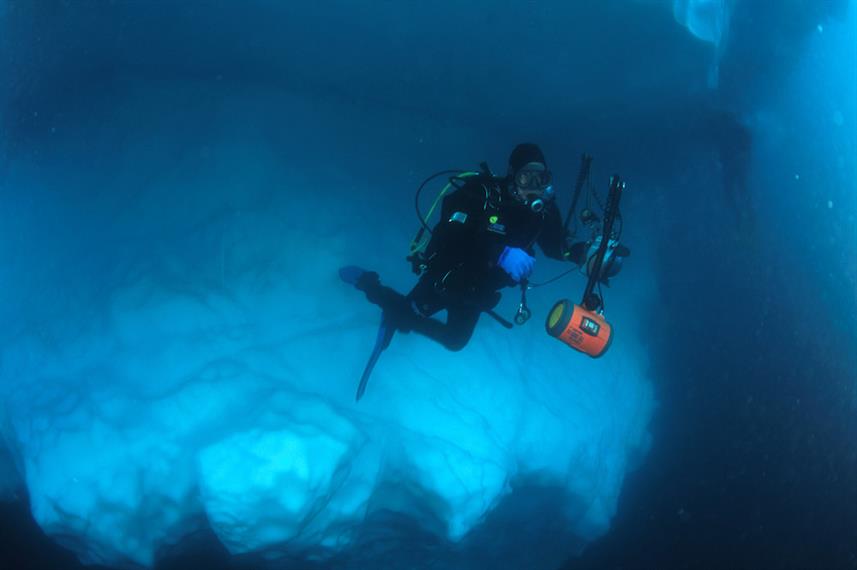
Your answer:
<point x="583" y="326"/>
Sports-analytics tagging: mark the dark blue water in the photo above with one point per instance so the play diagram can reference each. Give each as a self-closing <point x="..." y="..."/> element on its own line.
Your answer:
<point x="741" y="194"/>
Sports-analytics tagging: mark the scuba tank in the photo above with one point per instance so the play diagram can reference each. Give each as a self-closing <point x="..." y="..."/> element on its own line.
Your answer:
<point x="456" y="179"/>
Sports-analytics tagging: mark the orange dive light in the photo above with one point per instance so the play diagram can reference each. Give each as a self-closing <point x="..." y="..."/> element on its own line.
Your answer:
<point x="579" y="328"/>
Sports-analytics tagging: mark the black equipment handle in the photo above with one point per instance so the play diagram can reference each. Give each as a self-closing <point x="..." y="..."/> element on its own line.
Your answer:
<point x="610" y="212"/>
<point x="582" y="176"/>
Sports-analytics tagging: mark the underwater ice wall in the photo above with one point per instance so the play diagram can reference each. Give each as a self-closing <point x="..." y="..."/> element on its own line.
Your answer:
<point x="707" y="20"/>
<point x="180" y="351"/>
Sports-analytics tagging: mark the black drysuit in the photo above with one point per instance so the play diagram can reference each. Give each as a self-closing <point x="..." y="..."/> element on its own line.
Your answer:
<point x="477" y="222"/>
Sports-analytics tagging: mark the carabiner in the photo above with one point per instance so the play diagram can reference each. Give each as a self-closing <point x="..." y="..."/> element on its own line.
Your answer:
<point x="523" y="315"/>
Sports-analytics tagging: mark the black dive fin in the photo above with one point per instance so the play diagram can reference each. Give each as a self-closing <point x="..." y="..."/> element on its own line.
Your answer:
<point x="385" y="335"/>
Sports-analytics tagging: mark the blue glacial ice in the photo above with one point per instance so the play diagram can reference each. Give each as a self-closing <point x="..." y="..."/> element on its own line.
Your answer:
<point x="181" y="353"/>
<point x="707" y="20"/>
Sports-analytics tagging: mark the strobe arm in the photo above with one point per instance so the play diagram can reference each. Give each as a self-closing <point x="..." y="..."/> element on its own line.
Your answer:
<point x="617" y="186"/>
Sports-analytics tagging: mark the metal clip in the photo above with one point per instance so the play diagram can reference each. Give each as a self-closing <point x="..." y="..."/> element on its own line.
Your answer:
<point x="523" y="315"/>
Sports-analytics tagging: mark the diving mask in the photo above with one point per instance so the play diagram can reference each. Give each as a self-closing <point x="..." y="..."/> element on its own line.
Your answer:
<point x="533" y="177"/>
<point x="533" y="185"/>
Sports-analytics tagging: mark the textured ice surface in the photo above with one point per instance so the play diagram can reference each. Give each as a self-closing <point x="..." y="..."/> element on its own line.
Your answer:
<point x="705" y="19"/>
<point x="708" y="20"/>
<point x="180" y="352"/>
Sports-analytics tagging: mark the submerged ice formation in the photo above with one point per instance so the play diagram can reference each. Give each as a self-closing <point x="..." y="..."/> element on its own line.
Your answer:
<point x="707" y="20"/>
<point x="187" y="356"/>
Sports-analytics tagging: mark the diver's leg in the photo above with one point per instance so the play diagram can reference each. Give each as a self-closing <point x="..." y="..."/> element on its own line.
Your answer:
<point x="460" y="321"/>
<point x="401" y="310"/>
<point x="396" y="307"/>
<point x="460" y="324"/>
<point x="455" y="333"/>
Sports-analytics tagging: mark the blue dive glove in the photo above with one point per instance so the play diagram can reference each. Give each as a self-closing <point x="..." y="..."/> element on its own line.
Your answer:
<point x="516" y="262"/>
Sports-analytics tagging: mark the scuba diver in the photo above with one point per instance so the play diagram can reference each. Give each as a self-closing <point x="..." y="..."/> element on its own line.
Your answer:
<point x="485" y="240"/>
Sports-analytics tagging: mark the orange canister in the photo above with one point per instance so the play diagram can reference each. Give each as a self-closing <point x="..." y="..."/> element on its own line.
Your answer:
<point x="579" y="328"/>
